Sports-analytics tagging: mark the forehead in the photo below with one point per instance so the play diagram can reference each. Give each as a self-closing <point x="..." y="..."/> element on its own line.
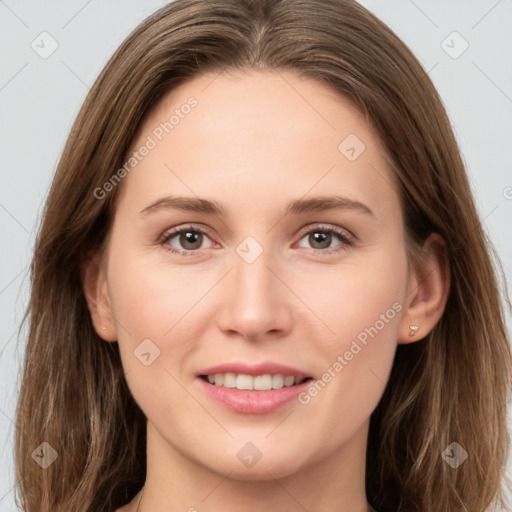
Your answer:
<point x="262" y="134"/>
<point x="259" y="102"/>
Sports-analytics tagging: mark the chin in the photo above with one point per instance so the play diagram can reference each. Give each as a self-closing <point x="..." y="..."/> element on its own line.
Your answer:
<point x="267" y="467"/>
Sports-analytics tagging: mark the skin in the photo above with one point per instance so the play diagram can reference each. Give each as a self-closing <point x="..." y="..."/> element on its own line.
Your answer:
<point x="255" y="141"/>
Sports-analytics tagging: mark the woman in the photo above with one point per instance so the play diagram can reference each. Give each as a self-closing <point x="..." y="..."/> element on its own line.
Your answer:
<point x="191" y="346"/>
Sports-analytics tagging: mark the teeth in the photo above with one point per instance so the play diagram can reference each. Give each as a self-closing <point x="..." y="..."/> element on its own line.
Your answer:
<point x="277" y="381"/>
<point x="248" y="382"/>
<point x="229" y="380"/>
<point x="244" y="382"/>
<point x="262" y="382"/>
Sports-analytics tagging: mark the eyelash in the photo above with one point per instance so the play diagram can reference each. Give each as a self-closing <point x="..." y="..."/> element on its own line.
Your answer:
<point x="343" y="235"/>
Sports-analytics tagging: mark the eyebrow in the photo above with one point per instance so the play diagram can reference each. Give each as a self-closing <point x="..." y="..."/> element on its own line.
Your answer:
<point x="297" y="206"/>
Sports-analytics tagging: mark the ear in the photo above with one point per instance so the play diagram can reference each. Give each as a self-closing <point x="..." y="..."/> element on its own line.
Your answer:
<point x="428" y="289"/>
<point x="94" y="283"/>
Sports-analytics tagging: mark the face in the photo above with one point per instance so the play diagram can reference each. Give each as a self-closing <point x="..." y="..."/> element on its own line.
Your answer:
<point x="258" y="241"/>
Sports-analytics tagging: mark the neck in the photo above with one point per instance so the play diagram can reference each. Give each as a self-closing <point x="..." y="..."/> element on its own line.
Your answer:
<point x="175" y="481"/>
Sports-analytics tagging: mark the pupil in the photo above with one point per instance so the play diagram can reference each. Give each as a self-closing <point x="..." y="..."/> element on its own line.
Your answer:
<point x="321" y="238"/>
<point x="190" y="237"/>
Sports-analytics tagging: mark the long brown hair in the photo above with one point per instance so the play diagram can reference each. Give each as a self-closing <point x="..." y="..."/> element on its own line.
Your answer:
<point x="451" y="386"/>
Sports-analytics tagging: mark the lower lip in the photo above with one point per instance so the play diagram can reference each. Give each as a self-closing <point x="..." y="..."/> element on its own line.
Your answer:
<point x="253" y="402"/>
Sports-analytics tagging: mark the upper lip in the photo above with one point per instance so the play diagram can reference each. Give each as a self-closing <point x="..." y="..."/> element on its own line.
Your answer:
<point x="264" y="368"/>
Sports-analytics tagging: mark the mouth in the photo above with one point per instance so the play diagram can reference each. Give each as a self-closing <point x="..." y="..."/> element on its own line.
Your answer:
<point x="252" y="388"/>
<point x="245" y="382"/>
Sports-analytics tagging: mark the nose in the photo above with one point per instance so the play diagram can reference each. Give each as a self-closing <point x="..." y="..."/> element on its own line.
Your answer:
<point x="255" y="303"/>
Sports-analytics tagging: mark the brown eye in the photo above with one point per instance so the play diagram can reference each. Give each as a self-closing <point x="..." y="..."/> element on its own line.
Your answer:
<point x="321" y="238"/>
<point x="187" y="240"/>
<point x="190" y="240"/>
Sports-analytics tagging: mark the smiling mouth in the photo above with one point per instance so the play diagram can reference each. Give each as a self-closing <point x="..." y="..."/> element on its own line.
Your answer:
<point x="242" y="381"/>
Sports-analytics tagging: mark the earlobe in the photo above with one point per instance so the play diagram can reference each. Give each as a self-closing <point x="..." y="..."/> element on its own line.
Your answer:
<point x="94" y="284"/>
<point x="429" y="287"/>
<point x="413" y="330"/>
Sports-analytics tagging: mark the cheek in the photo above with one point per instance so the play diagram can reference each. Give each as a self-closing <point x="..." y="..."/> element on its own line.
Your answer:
<point x="149" y="295"/>
<point x="151" y="304"/>
<point x="363" y="309"/>
<point x="152" y="301"/>
<point x="354" y="296"/>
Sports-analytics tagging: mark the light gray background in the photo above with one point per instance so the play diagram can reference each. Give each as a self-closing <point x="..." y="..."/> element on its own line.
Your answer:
<point x="39" y="99"/>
